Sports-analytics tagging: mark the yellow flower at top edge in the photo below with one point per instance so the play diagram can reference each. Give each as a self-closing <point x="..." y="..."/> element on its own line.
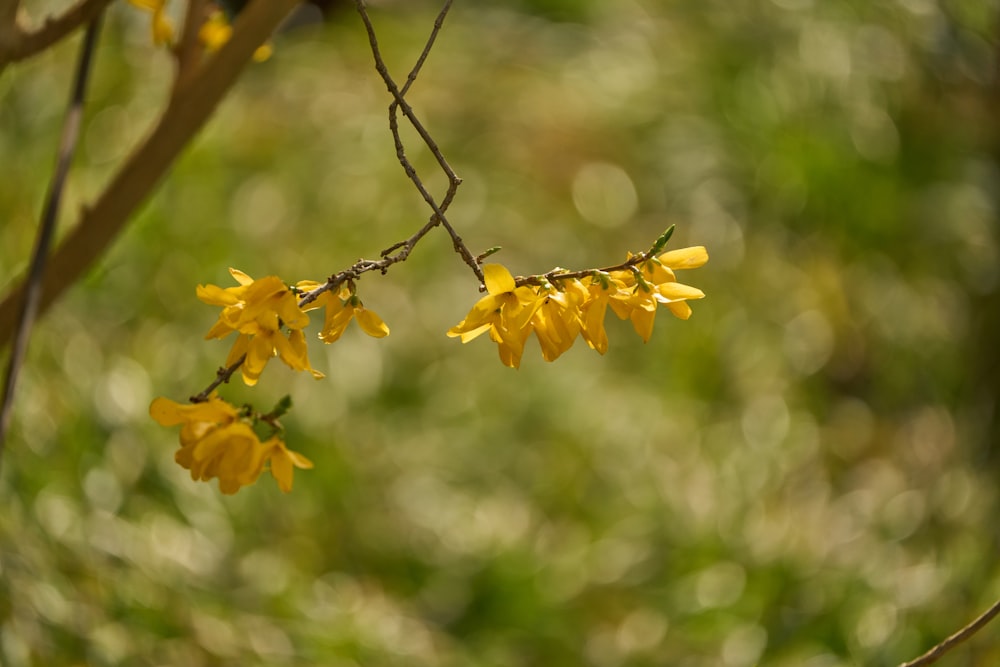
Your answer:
<point x="216" y="31"/>
<point x="161" y="26"/>
<point x="216" y="443"/>
<point x="258" y="309"/>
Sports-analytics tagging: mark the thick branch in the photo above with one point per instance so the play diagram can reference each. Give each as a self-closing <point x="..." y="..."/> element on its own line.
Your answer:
<point x="186" y="113"/>
<point x="189" y="50"/>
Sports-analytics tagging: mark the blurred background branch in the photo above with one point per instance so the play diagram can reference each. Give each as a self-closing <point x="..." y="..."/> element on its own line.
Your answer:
<point x="183" y="116"/>
<point x="18" y="42"/>
<point x="47" y="224"/>
<point x="938" y="652"/>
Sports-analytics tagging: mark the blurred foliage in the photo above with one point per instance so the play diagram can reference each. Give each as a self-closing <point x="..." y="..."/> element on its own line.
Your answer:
<point x="803" y="474"/>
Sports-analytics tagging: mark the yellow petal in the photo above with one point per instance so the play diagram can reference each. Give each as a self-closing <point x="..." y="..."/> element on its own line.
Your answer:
<point x="468" y="335"/>
<point x="337" y="319"/>
<point x="163" y="28"/>
<point x="259" y="352"/>
<point x="263" y="52"/>
<point x="219" y="330"/>
<point x="241" y="278"/>
<point x="498" y="279"/>
<point x="685" y="258"/>
<point x="680" y="309"/>
<point x="215" y="32"/>
<point x="214" y="295"/>
<point x="170" y="413"/>
<point x="510" y="356"/>
<point x="290" y="313"/>
<point x="371" y="323"/>
<point x="677" y="292"/>
<point x="238" y="349"/>
<point x="642" y="322"/>
<point x="283" y="463"/>
<point x="483" y="313"/>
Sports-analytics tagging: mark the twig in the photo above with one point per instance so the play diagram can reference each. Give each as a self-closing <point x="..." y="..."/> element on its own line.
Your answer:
<point x="559" y="274"/>
<point x="47" y="226"/>
<point x="438" y="23"/>
<point x="189" y="108"/>
<point x="954" y="640"/>
<point x="22" y="43"/>
<point x="400" y="103"/>
<point x="221" y="376"/>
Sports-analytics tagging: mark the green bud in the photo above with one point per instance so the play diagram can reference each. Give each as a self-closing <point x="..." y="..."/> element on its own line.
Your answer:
<point x="282" y="406"/>
<point x="662" y="241"/>
<point x="489" y="251"/>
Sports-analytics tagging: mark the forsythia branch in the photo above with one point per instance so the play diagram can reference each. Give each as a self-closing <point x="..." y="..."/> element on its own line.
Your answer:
<point x="557" y="306"/>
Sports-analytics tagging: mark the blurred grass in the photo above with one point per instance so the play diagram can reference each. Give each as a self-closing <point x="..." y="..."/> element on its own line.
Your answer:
<point x="799" y="475"/>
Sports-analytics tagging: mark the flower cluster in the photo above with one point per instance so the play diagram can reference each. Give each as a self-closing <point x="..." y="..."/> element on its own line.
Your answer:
<point x="341" y="308"/>
<point x="561" y="306"/>
<point x="258" y="309"/>
<point x="218" y="441"/>
<point x="269" y="316"/>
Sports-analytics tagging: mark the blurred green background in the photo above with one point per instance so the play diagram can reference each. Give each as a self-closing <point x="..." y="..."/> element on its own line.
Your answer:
<point x="804" y="474"/>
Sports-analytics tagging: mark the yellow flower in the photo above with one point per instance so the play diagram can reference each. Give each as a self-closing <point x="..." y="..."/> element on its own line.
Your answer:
<point x="637" y="304"/>
<point x="217" y="443"/>
<point x="340" y="312"/>
<point x="505" y="312"/>
<point x="253" y="306"/>
<point x="594" y="308"/>
<point x="684" y="258"/>
<point x="162" y="28"/>
<point x="216" y="31"/>
<point x="283" y="462"/>
<point x="655" y="284"/>
<point x="257" y="309"/>
<point x="556" y="322"/>
<point x="232" y="453"/>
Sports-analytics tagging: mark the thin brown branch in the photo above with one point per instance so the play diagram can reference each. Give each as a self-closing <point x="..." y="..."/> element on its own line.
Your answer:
<point x="221" y="376"/>
<point x="559" y="274"/>
<point x="47" y="226"/>
<point x="188" y="110"/>
<point x="400" y="103"/>
<point x="954" y="640"/>
<point x="20" y="42"/>
<point x="438" y="24"/>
